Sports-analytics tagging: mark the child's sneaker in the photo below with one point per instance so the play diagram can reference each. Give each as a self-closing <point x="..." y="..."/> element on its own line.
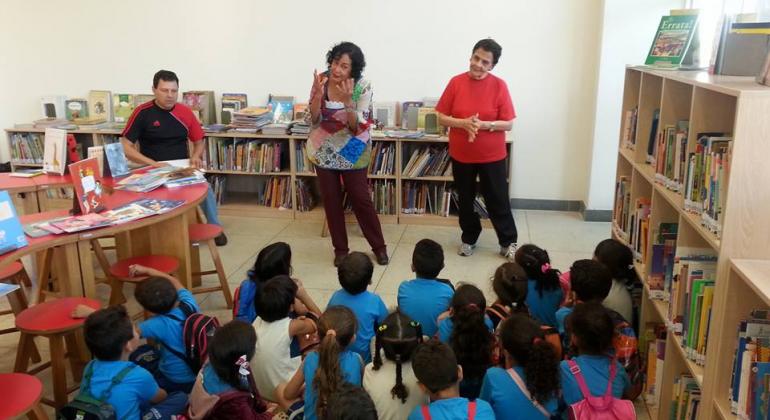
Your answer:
<point x="509" y="252"/>
<point x="466" y="250"/>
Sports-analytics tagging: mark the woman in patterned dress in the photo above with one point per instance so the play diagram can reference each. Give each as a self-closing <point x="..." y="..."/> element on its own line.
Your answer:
<point x="340" y="146"/>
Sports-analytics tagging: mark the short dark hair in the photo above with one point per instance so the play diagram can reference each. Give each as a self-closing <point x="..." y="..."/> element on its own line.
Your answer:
<point x="490" y="45"/>
<point x="107" y="331"/>
<point x="230" y="342"/>
<point x="166" y="76"/>
<point x="355" y="272"/>
<point x="435" y="365"/>
<point x="350" y="402"/>
<point x="272" y="260"/>
<point x="276" y="297"/>
<point x="591" y="280"/>
<point x="356" y="57"/>
<point x="592" y="325"/>
<point x="156" y="294"/>
<point x="428" y="259"/>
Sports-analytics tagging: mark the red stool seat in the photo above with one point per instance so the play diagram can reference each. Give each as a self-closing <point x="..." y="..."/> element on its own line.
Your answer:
<point x="162" y="263"/>
<point x="53" y="317"/>
<point x="21" y="392"/>
<point x="203" y="232"/>
<point x="11" y="270"/>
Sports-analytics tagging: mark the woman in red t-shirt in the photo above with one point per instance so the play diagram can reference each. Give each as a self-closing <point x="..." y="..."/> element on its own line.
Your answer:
<point x="477" y="108"/>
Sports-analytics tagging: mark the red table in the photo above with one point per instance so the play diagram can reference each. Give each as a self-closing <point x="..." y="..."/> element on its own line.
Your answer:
<point x="25" y="187"/>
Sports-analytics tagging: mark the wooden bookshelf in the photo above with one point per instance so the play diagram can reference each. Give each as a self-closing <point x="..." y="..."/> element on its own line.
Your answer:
<point x="244" y="203"/>
<point x="710" y="103"/>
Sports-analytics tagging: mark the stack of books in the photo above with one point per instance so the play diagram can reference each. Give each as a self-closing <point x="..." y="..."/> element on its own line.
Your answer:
<point x="251" y="119"/>
<point x="275" y="129"/>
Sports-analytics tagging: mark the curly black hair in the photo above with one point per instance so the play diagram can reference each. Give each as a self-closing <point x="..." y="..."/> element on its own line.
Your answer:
<point x="353" y="52"/>
<point x="471" y="341"/>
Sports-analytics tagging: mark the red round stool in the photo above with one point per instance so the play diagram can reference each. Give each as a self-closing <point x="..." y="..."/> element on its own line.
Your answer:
<point x="53" y="320"/>
<point x="21" y="395"/>
<point x="199" y="233"/>
<point x="119" y="272"/>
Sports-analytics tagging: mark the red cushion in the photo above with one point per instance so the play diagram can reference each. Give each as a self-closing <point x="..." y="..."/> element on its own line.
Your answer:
<point x="53" y="316"/>
<point x="11" y="270"/>
<point x="20" y="393"/>
<point x="162" y="263"/>
<point x="203" y="232"/>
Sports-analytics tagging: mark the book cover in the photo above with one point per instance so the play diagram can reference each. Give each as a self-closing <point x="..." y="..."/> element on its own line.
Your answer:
<point x="55" y="151"/>
<point x="97" y="152"/>
<point x="100" y="104"/>
<point x="761" y="404"/>
<point x="158" y="206"/>
<point x="88" y="185"/>
<point x="126" y="213"/>
<point x="282" y="108"/>
<point x="123" y="106"/>
<point x="142" y="98"/>
<point x="116" y="159"/>
<point x="201" y="102"/>
<point x="52" y="106"/>
<point x="672" y="39"/>
<point x="82" y="222"/>
<point x="76" y="108"/>
<point x="11" y="233"/>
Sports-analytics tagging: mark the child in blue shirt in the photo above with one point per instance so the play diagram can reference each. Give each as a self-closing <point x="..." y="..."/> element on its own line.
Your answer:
<point x="439" y="376"/>
<point x="510" y="284"/>
<point x="424" y="298"/>
<point x="273" y="260"/>
<point x="528" y="386"/>
<point x="544" y="294"/>
<point x="590" y="282"/>
<point x="469" y="333"/>
<point x="164" y="296"/>
<point x="351" y="402"/>
<point x="111" y="338"/>
<point x="324" y="371"/>
<point x="591" y="331"/>
<point x="355" y="275"/>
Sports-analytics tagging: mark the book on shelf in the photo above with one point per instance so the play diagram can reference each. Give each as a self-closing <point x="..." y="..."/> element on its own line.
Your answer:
<point x="427" y="120"/>
<point x="246" y="155"/>
<point x="55" y="157"/>
<point x="672" y="40"/>
<point x="654" y="341"/>
<point x="122" y="107"/>
<point x="218" y="184"/>
<point x="53" y="123"/>
<point x="276" y="193"/>
<point x="409" y="114"/>
<point x="26" y="148"/>
<point x="117" y="164"/>
<point x="383" y="193"/>
<point x="303" y="162"/>
<point x="383" y="161"/>
<point x="76" y="108"/>
<point x="705" y="189"/>
<point x="662" y="261"/>
<point x="251" y="119"/>
<point x="749" y="389"/>
<point x="638" y="225"/>
<point x="385" y="114"/>
<point x="652" y="136"/>
<point x="282" y="108"/>
<point x="436" y="198"/>
<point x="671" y="159"/>
<point x="307" y="195"/>
<point x="52" y="107"/>
<point x="201" y="103"/>
<point x="275" y="129"/>
<point x="622" y="206"/>
<point x="629" y="127"/>
<point x="141" y="98"/>
<point x="87" y="182"/>
<point x="232" y="102"/>
<point x="11" y="233"/>
<point x="97" y="152"/>
<point x="686" y="398"/>
<point x="100" y="104"/>
<point x="430" y="160"/>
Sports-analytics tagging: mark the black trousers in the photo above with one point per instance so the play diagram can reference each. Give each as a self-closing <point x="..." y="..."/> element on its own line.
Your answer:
<point x="494" y="189"/>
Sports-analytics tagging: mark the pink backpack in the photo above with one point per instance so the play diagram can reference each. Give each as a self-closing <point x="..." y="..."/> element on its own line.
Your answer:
<point x="606" y="407"/>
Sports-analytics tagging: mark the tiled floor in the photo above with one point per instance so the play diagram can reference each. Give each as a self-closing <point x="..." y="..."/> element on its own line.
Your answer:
<point x="565" y="235"/>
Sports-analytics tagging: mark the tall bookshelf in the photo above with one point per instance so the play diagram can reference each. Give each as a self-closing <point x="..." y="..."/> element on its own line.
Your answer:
<point x="242" y="185"/>
<point x="727" y="104"/>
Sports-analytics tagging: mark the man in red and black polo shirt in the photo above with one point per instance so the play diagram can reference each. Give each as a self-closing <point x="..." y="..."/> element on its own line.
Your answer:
<point x="162" y="127"/>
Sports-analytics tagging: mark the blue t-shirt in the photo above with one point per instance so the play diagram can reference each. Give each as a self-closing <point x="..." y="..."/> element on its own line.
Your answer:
<point x="352" y="368"/>
<point x="212" y="383"/>
<point x="137" y="388"/>
<point x="506" y="398"/>
<point x="446" y="326"/>
<point x="561" y="318"/>
<point x="596" y="371"/>
<point x="424" y="300"/>
<point x="247" y="294"/>
<point x="168" y="329"/>
<point x="368" y="308"/>
<point x="543" y="308"/>
<point x="454" y="409"/>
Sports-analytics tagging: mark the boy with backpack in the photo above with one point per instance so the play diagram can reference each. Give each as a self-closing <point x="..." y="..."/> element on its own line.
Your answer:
<point x="112" y="386"/>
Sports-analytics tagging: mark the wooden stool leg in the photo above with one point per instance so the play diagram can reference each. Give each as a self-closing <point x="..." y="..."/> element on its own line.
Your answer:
<point x="101" y="258"/>
<point x="25" y="280"/>
<point x="220" y="273"/>
<point x="76" y="356"/>
<point x="37" y="413"/>
<point x="44" y="274"/>
<point x="18" y="302"/>
<point x="116" y="294"/>
<point x="23" y="353"/>
<point x="58" y="370"/>
<point x="201" y="218"/>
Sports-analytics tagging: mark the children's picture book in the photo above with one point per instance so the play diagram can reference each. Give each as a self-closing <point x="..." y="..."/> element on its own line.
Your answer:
<point x="141" y="182"/>
<point x="143" y="98"/>
<point x="53" y="106"/>
<point x="282" y="108"/>
<point x="80" y="223"/>
<point x="672" y="40"/>
<point x="201" y="103"/>
<point x="88" y="185"/>
<point x="76" y="108"/>
<point x="232" y="102"/>
<point x="55" y="151"/>
<point x="123" y="106"/>
<point x="126" y="213"/>
<point x="11" y="233"/>
<point x="98" y="153"/>
<point x="158" y="206"/>
<point x="116" y="160"/>
<point x="100" y="104"/>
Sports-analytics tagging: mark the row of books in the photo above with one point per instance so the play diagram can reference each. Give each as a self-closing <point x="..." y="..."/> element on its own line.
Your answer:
<point x="750" y="384"/>
<point x="635" y="227"/>
<point x="628" y="137"/>
<point x="653" y="342"/>
<point x="662" y="261"/>
<point x="671" y="156"/>
<point x="383" y="160"/>
<point x="218" y="185"/>
<point x="384" y="196"/>
<point x="27" y="148"/>
<point x="303" y="162"/>
<point x="246" y="155"/>
<point x="622" y="206"/>
<point x="272" y="191"/>
<point x="686" y="398"/>
<point x="307" y="194"/>
<point x="427" y="198"/>
<point x="428" y="161"/>
<point x="706" y="183"/>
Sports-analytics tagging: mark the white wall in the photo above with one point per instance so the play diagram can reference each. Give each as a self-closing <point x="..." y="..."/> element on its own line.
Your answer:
<point x="550" y="56"/>
<point x="628" y="27"/>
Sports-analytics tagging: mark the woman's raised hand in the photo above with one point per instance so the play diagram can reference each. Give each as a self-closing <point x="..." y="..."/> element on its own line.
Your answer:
<point x="319" y="80"/>
<point x="346" y="87"/>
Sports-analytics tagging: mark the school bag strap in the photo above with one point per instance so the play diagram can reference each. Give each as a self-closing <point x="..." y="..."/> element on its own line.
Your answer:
<point x="117" y="379"/>
<point x="575" y="370"/>
<point x="523" y="388"/>
<point x="499" y="311"/>
<point x="425" y="409"/>
<point x="426" y="412"/>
